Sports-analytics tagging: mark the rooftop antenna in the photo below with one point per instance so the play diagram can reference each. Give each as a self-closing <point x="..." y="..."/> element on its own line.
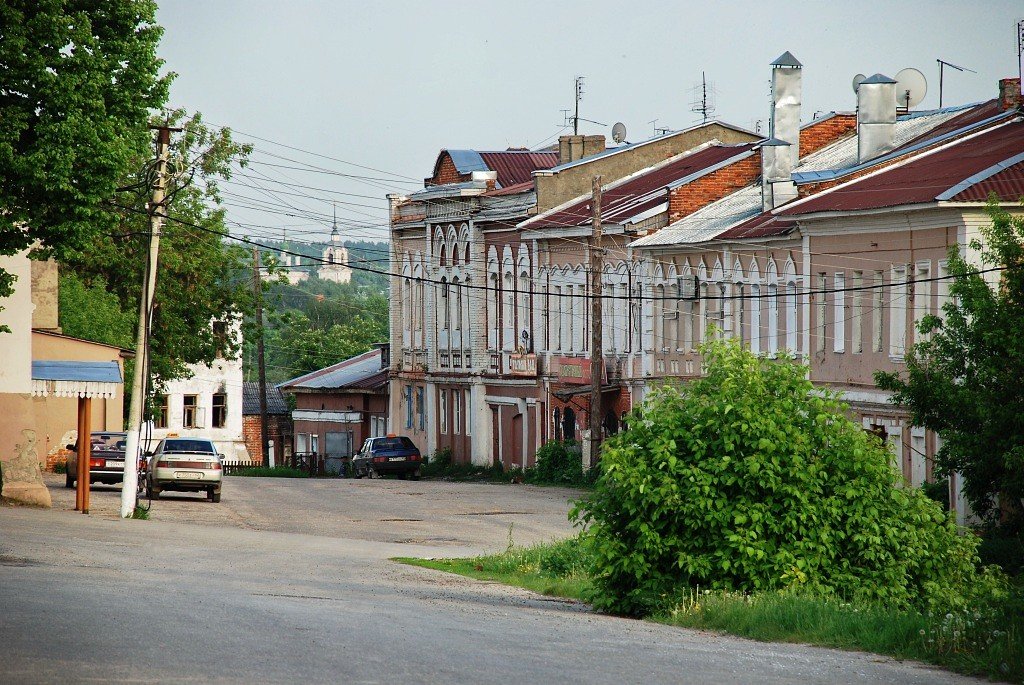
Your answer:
<point x="658" y="130"/>
<point x="576" y="118"/>
<point x="703" y="102"/>
<point x="942" y="64"/>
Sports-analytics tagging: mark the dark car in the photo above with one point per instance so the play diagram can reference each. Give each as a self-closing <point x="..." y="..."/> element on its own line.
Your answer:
<point x="393" y="454"/>
<point x="106" y="459"/>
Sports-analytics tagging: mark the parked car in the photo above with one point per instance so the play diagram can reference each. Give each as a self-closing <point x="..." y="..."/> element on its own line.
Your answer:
<point x="106" y="461"/>
<point x="393" y="454"/>
<point x="185" y="465"/>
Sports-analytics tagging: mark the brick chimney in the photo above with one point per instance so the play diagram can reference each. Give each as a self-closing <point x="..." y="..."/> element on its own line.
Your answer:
<point x="1009" y="94"/>
<point x="571" y="148"/>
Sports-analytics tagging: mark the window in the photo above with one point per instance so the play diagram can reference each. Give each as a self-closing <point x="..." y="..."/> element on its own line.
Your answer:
<point x="220" y="410"/>
<point x="468" y="396"/>
<point x="190" y="411"/>
<point x="839" y="341"/>
<point x="773" y="318"/>
<point x="408" y="406"/>
<point x="419" y="409"/>
<point x="856" y="323"/>
<point x="161" y="411"/>
<point x="922" y="293"/>
<point x="755" y="318"/>
<point x="738" y="311"/>
<point x="314" y="443"/>
<point x="456" y="411"/>
<point x="877" y="296"/>
<point x="822" y="311"/>
<point x="792" y="312"/>
<point x="442" y="409"/>
<point x="659" y="317"/>
<point x="898" y="311"/>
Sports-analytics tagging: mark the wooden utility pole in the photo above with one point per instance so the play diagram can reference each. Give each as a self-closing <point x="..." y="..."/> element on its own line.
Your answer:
<point x="261" y="361"/>
<point x="157" y="212"/>
<point x="596" y="337"/>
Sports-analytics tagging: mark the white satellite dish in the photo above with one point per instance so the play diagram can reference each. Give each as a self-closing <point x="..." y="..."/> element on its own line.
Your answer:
<point x="856" y="81"/>
<point x="911" y="87"/>
<point x="619" y="132"/>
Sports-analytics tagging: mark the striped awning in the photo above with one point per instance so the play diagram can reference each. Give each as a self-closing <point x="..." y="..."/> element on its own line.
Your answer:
<point x="75" y="379"/>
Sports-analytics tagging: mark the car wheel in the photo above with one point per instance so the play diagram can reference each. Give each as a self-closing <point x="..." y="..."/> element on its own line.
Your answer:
<point x="209" y="494"/>
<point x="416" y="475"/>
<point x="371" y="472"/>
<point x="403" y="475"/>
<point x="69" y="482"/>
<point x="215" y="497"/>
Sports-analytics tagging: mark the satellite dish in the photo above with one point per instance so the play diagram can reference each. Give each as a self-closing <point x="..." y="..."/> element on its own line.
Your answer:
<point x="619" y="132"/>
<point x="856" y="81"/>
<point x="911" y="87"/>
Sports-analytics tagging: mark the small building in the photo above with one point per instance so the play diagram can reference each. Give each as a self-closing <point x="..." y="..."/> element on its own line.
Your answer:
<point x="279" y="423"/>
<point x="338" y="407"/>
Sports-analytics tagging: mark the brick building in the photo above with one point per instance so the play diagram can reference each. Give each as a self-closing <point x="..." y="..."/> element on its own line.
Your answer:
<point x="279" y="423"/>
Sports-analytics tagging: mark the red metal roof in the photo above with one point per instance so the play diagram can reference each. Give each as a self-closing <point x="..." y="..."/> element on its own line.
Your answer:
<point x="926" y="177"/>
<point x="642" y="191"/>
<point x="761" y="226"/>
<point x="974" y="115"/>
<point x="517" y="166"/>
<point x="513" y="189"/>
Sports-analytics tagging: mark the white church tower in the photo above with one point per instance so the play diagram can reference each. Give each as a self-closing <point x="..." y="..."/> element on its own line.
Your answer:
<point x="334" y="266"/>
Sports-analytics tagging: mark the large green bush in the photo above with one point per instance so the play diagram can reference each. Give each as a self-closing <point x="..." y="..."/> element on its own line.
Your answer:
<point x="750" y="478"/>
<point x="558" y="464"/>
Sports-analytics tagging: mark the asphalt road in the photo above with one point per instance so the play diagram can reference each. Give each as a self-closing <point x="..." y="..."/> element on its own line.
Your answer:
<point x="290" y="581"/>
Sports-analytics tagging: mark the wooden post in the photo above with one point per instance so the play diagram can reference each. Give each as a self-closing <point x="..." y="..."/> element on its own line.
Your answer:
<point x="80" y="452"/>
<point x="88" y="453"/>
<point x="596" y="338"/>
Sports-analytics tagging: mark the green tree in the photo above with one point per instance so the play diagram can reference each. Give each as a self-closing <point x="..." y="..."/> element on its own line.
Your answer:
<point x="750" y="478"/>
<point x="963" y="378"/>
<point x="78" y="80"/>
<point x="94" y="313"/>
<point x="201" y="278"/>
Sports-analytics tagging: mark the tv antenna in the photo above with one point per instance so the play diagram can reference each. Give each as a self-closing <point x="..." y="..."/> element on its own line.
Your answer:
<point x="911" y="87"/>
<point x="575" y="119"/>
<point x="942" y="65"/>
<point x="703" y="102"/>
<point x="658" y="130"/>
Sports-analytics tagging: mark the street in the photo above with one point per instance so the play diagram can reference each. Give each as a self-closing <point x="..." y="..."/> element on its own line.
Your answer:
<point x="290" y="581"/>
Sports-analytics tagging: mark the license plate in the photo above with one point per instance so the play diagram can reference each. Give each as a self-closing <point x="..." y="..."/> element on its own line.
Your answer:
<point x="190" y="475"/>
<point x="119" y="464"/>
<point x="396" y="458"/>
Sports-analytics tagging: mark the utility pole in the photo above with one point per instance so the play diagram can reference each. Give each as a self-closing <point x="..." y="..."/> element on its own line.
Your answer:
<point x="261" y="359"/>
<point x="157" y="213"/>
<point x="596" y="337"/>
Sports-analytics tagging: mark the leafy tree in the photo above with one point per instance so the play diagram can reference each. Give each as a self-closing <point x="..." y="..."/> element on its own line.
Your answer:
<point x="78" y="79"/>
<point x="201" y="278"/>
<point x="750" y="478"/>
<point x="94" y="313"/>
<point x="963" y="378"/>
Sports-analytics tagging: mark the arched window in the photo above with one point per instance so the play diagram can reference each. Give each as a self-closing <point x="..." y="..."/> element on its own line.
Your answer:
<point x="442" y="306"/>
<point x="508" y="312"/>
<point x="659" y="317"/>
<point x="672" y="316"/>
<point x="755" y="318"/>
<point x="738" y="309"/>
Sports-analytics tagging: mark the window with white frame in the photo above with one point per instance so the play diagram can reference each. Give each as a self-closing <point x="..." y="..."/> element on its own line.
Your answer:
<point x="408" y="406"/>
<point x="442" y="409"/>
<point x="839" y="315"/>
<point x="898" y="312"/>
<point x="755" y="318"/>
<point x="792" y="317"/>
<point x="922" y="294"/>
<point x="821" y="310"/>
<point x="738" y="308"/>
<point x="856" y="317"/>
<point x="773" y="318"/>
<point x="671" y="311"/>
<point x="456" y="412"/>
<point x="877" y="307"/>
<point x="659" y="317"/>
<point x="190" y="411"/>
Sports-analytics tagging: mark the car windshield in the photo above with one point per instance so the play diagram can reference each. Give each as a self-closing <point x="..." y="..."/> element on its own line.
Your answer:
<point x="108" y="442"/>
<point x="204" y="446"/>
<point x="399" y="443"/>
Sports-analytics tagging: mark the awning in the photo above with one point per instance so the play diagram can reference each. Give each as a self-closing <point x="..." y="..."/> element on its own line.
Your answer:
<point x="75" y="379"/>
<point x="577" y="390"/>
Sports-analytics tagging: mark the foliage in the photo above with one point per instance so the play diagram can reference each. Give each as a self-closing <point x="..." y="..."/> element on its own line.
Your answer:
<point x="140" y="513"/>
<point x="440" y="467"/>
<point x="938" y="491"/>
<point x="963" y="377"/>
<point x="94" y="313"/>
<point x="272" y="472"/>
<point x="1003" y="550"/>
<point x="79" y="80"/>
<point x="61" y="467"/>
<point x="751" y="479"/>
<point x="200" y="278"/>
<point x="560" y="463"/>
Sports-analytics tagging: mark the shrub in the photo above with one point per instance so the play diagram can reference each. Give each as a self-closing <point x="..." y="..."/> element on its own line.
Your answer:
<point x="750" y="479"/>
<point x="558" y="463"/>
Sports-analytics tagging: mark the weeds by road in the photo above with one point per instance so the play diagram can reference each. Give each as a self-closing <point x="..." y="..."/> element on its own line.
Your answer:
<point x="982" y="640"/>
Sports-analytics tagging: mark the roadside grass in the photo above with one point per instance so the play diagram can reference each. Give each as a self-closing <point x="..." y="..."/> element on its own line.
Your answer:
<point x="986" y="640"/>
<point x="141" y="513"/>
<point x="272" y="472"/>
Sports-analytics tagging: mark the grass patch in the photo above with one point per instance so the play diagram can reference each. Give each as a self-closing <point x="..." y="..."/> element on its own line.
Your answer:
<point x="983" y="640"/>
<point x="141" y="513"/>
<point x="272" y="472"/>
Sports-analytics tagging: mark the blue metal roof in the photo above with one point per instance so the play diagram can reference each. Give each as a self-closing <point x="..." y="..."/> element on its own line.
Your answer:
<point x="88" y="372"/>
<point x="468" y="161"/>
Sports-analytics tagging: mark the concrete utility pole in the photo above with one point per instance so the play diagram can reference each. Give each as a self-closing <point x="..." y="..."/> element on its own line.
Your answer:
<point x="157" y="213"/>
<point x="261" y="359"/>
<point x="596" y="337"/>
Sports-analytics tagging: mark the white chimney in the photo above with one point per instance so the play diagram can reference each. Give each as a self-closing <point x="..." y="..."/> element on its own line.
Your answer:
<point x="777" y="185"/>
<point x="876" y="117"/>
<point x="781" y="152"/>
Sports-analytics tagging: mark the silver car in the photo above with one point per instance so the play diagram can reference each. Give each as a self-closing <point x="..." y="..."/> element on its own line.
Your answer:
<point x="185" y="465"/>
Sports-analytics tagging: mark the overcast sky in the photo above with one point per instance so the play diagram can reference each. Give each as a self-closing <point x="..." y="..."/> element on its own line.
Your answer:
<point x="388" y="85"/>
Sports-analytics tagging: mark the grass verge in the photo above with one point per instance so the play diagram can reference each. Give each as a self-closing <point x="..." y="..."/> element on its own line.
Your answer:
<point x="272" y="472"/>
<point x="977" y="641"/>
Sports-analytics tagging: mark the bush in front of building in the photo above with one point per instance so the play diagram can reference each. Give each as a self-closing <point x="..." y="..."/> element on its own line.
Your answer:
<point x="751" y="479"/>
<point x="560" y="462"/>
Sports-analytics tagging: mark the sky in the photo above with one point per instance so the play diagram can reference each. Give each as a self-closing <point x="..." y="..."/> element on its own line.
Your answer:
<point x="365" y="94"/>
